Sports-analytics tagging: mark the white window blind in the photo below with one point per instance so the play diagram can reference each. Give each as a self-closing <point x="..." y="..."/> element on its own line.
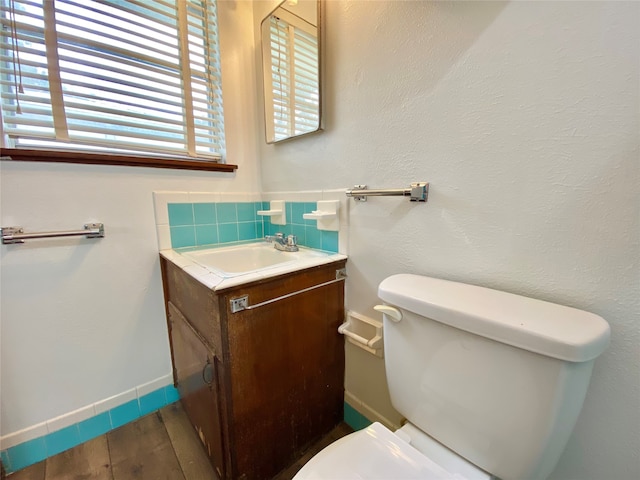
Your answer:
<point x="122" y="76"/>
<point x="295" y="78"/>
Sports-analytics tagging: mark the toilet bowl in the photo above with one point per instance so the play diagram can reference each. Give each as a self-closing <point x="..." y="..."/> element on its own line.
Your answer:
<point x="491" y="385"/>
<point x="378" y="453"/>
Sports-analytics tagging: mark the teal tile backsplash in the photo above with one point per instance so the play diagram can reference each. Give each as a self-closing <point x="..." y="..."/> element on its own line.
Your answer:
<point x="206" y="234"/>
<point x="227" y="212"/>
<point x="306" y="230"/>
<point x="329" y="240"/>
<point x="228" y="232"/>
<point x="246" y="212"/>
<point x="197" y="224"/>
<point x="183" y="236"/>
<point x="204" y="214"/>
<point x="180" y="214"/>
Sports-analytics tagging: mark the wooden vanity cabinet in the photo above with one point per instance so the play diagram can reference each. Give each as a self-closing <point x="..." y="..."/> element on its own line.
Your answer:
<point x="260" y="385"/>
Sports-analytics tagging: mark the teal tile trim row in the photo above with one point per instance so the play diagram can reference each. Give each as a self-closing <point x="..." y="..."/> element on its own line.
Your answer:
<point x="5" y="460"/>
<point x="355" y="419"/>
<point x="198" y="224"/>
<point x="34" y="451"/>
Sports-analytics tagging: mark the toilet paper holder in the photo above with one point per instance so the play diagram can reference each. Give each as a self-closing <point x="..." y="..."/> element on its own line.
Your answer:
<point x="364" y="332"/>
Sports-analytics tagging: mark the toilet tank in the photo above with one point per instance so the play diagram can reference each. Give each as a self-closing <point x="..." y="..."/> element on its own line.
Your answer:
<point x="496" y="377"/>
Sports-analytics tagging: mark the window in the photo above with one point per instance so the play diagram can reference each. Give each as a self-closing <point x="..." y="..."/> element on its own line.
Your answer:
<point x="294" y="96"/>
<point x="112" y="76"/>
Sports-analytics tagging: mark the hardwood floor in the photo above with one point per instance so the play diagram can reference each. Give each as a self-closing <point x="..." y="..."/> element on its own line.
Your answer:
<point x="160" y="446"/>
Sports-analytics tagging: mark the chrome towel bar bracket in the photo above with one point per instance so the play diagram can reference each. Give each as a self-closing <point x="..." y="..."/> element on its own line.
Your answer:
<point x="11" y="235"/>
<point x="417" y="191"/>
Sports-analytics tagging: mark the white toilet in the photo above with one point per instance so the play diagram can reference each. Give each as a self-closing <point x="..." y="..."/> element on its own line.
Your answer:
<point x="491" y="385"/>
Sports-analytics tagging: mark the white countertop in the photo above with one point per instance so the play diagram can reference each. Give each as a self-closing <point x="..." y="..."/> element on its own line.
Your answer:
<point x="217" y="281"/>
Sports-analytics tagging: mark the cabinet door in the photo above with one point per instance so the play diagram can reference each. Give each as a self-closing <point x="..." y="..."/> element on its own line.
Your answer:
<point x="287" y="370"/>
<point x="196" y="376"/>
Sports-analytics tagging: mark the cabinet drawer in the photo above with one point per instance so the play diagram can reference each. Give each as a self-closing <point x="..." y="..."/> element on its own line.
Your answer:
<point x="195" y="301"/>
<point x="273" y="289"/>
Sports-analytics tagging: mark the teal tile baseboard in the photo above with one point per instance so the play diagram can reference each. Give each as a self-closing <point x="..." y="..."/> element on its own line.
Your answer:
<point x="61" y="440"/>
<point x="26" y="454"/>
<point x="33" y="451"/>
<point x="152" y="401"/>
<point x="94" y="427"/>
<point x="123" y="414"/>
<point x="355" y="419"/>
<point x="5" y="460"/>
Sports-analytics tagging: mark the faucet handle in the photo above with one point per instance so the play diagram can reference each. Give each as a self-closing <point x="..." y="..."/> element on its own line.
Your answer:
<point x="292" y="240"/>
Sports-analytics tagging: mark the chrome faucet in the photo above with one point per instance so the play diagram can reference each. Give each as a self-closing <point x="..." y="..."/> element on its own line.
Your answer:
<point x="288" y="244"/>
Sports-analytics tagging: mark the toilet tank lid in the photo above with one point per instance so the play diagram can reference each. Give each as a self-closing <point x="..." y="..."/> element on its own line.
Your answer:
<point x="535" y="325"/>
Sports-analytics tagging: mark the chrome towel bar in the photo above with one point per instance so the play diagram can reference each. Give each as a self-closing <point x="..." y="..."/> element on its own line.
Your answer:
<point x="242" y="303"/>
<point x="16" y="234"/>
<point x="418" y="191"/>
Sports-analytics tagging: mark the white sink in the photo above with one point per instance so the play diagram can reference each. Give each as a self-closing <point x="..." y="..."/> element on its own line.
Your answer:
<point x="243" y="259"/>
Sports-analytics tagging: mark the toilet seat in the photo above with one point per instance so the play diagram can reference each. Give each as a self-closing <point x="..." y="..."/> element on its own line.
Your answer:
<point x="373" y="453"/>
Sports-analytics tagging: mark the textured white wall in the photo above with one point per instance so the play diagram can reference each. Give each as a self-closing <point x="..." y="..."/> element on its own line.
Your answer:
<point x="524" y="116"/>
<point x="84" y="320"/>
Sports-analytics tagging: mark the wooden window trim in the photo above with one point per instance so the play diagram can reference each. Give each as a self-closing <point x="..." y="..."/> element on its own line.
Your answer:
<point x="24" y="155"/>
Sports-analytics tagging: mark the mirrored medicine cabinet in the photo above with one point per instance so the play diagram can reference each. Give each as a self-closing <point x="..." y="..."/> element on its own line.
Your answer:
<point x="291" y="51"/>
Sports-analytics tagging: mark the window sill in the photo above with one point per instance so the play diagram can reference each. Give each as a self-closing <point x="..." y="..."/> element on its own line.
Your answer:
<point x="20" y="155"/>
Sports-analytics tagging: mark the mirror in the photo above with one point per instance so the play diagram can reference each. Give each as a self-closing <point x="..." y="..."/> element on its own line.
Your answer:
<point x="291" y="70"/>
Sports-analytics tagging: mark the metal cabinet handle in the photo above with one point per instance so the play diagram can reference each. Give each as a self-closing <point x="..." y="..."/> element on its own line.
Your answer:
<point x="204" y="373"/>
